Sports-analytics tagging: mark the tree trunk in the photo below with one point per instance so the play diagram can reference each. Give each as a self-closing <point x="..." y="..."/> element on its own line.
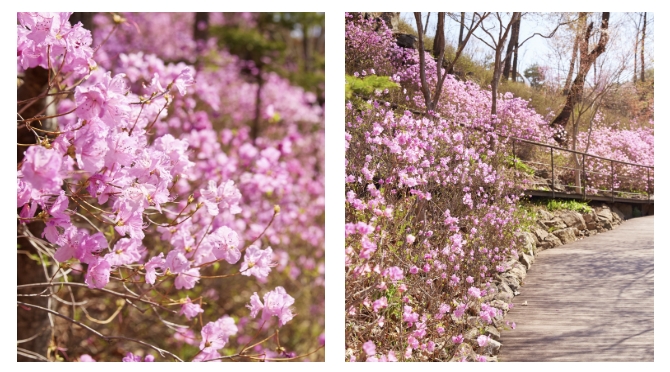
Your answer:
<point x="586" y="60"/>
<point x="497" y="68"/>
<point x="495" y="81"/>
<point x="256" y="127"/>
<point x="575" y="47"/>
<point x="320" y="48"/>
<point x="439" y="42"/>
<point x="307" y="66"/>
<point x="595" y="73"/>
<point x="431" y="101"/>
<point x="511" y="46"/>
<point x="460" y="34"/>
<point x="644" y="33"/>
<point x="464" y="39"/>
<point x="422" y="62"/>
<point x="201" y="29"/>
<point x="637" y="41"/>
<point x="516" y="54"/>
<point x="575" y="157"/>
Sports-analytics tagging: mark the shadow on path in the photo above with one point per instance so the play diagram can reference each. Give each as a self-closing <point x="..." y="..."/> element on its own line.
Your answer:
<point x="591" y="300"/>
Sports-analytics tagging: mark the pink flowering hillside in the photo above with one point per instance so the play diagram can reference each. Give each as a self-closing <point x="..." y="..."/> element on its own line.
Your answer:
<point x="431" y="213"/>
<point x="170" y="195"/>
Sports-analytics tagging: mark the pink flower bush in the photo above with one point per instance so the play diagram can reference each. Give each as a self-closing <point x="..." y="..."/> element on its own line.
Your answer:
<point x="152" y="179"/>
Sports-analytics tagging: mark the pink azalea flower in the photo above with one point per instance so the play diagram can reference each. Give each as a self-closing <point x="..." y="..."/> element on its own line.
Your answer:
<point x="409" y="315"/>
<point x="184" y="79"/>
<point x="277" y="303"/>
<point x="189" y="309"/>
<point x="483" y="340"/>
<point x="86" y="358"/>
<point x="255" y="305"/>
<point x="126" y="251"/>
<point x="460" y="310"/>
<point x="215" y="335"/>
<point x="474" y="292"/>
<point x="226" y="196"/>
<point x="130" y="357"/>
<point x="413" y="342"/>
<point x="224" y="243"/>
<point x="257" y="262"/>
<point x="379" y="304"/>
<point x="395" y="273"/>
<point x="97" y="275"/>
<point x="157" y="262"/>
<point x="187" y="279"/>
<point x="444" y="308"/>
<point x="410" y="238"/>
<point x="176" y="262"/>
<point x="42" y="169"/>
<point x="369" y="348"/>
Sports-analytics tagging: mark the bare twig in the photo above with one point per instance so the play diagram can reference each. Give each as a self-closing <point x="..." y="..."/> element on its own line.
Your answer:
<point x="162" y="352"/>
<point x="30" y="354"/>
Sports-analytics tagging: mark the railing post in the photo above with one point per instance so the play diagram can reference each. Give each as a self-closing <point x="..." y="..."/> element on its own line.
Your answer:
<point x="584" y="173"/>
<point x="648" y="188"/>
<point x="553" y="192"/>
<point x="612" y="164"/>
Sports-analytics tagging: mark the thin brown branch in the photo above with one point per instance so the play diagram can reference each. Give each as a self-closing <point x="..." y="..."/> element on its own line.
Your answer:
<point x="162" y="352"/>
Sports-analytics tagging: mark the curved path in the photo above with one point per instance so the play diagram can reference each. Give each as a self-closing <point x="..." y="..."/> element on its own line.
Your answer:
<point x="591" y="300"/>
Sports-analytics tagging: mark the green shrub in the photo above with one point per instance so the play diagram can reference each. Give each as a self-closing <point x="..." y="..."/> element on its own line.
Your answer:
<point x="367" y="86"/>
<point x="573" y="205"/>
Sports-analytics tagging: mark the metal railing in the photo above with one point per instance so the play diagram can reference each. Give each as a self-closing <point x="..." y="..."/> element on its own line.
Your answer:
<point x="582" y="187"/>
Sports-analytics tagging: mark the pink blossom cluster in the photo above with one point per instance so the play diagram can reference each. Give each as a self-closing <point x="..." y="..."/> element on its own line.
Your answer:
<point x="153" y="172"/>
<point x="49" y="40"/>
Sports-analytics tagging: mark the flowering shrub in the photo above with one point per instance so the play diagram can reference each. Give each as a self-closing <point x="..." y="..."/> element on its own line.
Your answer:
<point x="151" y="190"/>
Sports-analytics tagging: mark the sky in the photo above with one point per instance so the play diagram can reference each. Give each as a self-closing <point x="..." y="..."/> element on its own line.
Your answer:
<point x="539" y="50"/>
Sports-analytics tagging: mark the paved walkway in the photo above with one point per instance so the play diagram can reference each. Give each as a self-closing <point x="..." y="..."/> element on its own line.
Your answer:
<point x="591" y="300"/>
